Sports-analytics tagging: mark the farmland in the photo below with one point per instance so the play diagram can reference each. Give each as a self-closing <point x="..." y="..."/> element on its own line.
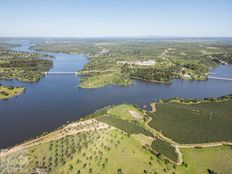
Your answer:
<point x="165" y="149"/>
<point x="126" y="126"/>
<point x="93" y="144"/>
<point x="205" y="122"/>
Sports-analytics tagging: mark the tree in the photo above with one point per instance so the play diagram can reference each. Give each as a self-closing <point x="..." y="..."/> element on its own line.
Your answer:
<point x="211" y="171"/>
<point x="119" y="171"/>
<point x="70" y="167"/>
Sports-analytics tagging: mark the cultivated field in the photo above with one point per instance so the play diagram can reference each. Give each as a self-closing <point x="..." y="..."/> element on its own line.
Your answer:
<point x="165" y="149"/>
<point x="205" y="122"/>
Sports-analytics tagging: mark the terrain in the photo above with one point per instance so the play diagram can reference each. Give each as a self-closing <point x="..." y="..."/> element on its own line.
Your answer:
<point x="23" y="66"/>
<point x="155" y="60"/>
<point x="7" y="92"/>
<point x="125" y="133"/>
<point x="194" y="122"/>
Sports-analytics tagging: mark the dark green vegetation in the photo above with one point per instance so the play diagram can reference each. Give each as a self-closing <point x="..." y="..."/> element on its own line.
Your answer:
<point x="149" y="74"/>
<point x="166" y="149"/>
<point x="27" y="67"/>
<point x="203" y="122"/>
<point x="195" y="101"/>
<point x="105" y="79"/>
<point x="172" y="58"/>
<point x="124" y="125"/>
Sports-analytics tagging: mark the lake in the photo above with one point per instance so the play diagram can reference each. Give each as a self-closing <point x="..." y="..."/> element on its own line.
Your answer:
<point x="56" y="99"/>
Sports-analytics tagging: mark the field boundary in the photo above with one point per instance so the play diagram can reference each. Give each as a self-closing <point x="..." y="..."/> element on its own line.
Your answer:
<point x="177" y="145"/>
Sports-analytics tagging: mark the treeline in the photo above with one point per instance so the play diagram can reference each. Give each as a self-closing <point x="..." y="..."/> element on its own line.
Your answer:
<point x="36" y="64"/>
<point x="6" y="54"/>
<point x="182" y="100"/>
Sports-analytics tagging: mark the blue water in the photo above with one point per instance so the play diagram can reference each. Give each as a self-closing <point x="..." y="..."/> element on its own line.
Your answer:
<point x="56" y="99"/>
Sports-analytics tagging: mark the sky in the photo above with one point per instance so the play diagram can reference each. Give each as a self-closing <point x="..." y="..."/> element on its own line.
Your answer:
<point x="115" y="18"/>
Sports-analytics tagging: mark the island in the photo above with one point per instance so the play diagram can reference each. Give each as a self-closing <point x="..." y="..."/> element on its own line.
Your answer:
<point x="200" y="141"/>
<point x="7" y="92"/>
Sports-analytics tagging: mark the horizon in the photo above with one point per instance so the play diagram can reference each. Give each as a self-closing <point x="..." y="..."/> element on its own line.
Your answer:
<point x="120" y="19"/>
<point x="116" y="37"/>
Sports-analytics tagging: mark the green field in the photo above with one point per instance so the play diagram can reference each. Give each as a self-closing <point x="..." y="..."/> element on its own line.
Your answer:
<point x="129" y="113"/>
<point x="165" y="149"/>
<point x="194" y="123"/>
<point x="203" y="160"/>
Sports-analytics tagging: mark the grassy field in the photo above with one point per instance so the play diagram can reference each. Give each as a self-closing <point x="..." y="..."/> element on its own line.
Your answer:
<point x="194" y="123"/>
<point x="101" y="80"/>
<point x="128" y="112"/>
<point x="203" y="160"/>
<point x="9" y="92"/>
<point x="165" y="149"/>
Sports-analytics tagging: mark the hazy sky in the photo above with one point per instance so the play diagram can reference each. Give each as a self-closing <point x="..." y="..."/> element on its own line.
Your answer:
<point x="87" y="18"/>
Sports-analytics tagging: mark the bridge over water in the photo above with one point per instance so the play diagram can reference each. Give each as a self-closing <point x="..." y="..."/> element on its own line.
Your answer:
<point x="212" y="75"/>
<point x="219" y="78"/>
<point x="76" y="73"/>
<point x="61" y="73"/>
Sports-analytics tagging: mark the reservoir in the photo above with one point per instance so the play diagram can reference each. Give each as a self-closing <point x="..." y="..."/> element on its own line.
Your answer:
<point x="56" y="99"/>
